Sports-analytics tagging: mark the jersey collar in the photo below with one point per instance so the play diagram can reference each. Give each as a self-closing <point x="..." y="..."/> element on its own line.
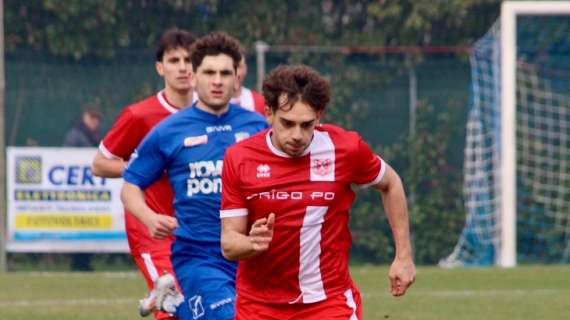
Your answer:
<point x="280" y="153"/>
<point x="164" y="103"/>
<point x="208" y="115"/>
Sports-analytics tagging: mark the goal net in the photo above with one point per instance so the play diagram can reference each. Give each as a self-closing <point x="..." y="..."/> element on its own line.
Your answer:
<point x="531" y="222"/>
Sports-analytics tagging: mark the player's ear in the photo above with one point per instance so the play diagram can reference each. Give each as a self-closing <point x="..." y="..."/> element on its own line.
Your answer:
<point x="159" y="68"/>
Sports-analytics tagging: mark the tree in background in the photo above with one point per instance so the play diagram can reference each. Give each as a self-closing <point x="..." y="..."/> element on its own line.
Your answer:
<point x="92" y="27"/>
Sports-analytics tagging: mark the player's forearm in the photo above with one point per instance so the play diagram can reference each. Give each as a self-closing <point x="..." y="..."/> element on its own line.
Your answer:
<point x="395" y="206"/>
<point x="402" y="272"/>
<point x="110" y="168"/>
<point x="399" y="224"/>
<point x="237" y="243"/>
<point x="237" y="246"/>
<point x="133" y="200"/>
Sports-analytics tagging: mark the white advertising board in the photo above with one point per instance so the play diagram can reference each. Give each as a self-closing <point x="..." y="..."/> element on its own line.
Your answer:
<point x="55" y="204"/>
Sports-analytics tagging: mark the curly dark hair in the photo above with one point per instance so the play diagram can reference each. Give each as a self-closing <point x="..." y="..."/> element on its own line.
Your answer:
<point x="213" y="44"/>
<point x="171" y="39"/>
<point x="297" y="83"/>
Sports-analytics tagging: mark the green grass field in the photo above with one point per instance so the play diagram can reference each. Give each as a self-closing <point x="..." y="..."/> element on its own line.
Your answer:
<point x="530" y="292"/>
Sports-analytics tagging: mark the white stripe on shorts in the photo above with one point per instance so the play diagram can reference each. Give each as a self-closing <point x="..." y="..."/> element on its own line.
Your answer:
<point x="350" y="302"/>
<point x="150" y="267"/>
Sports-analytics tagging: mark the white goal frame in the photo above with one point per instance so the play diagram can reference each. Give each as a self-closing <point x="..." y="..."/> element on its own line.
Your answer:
<point x="509" y="11"/>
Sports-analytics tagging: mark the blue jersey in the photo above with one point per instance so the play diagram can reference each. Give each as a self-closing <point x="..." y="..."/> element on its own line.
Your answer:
<point x="190" y="146"/>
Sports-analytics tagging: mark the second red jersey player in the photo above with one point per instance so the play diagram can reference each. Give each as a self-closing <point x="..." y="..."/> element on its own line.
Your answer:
<point x="151" y="255"/>
<point x="129" y="129"/>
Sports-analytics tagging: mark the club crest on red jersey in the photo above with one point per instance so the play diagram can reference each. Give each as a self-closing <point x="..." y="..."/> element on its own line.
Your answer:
<point x="263" y="171"/>
<point x="321" y="167"/>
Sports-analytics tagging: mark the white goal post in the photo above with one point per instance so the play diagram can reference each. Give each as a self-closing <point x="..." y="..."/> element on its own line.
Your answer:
<point x="510" y="10"/>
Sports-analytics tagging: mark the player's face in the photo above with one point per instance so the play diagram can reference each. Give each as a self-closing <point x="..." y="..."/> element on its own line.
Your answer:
<point x="92" y="122"/>
<point x="176" y="70"/>
<point x="292" y="129"/>
<point x="214" y="82"/>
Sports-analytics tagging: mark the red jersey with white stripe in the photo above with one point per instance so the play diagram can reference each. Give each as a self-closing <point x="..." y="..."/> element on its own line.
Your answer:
<point x="250" y="100"/>
<point x="132" y="125"/>
<point x="307" y="260"/>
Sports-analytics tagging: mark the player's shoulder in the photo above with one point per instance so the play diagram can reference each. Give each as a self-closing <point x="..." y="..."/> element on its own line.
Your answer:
<point x="257" y="96"/>
<point x="258" y="102"/>
<point x="172" y="119"/>
<point x="187" y="121"/>
<point x="338" y="133"/>
<point x="142" y="109"/>
<point x="247" y="115"/>
<point x="248" y="147"/>
<point x="153" y="107"/>
<point x="143" y="106"/>
<point x="345" y="141"/>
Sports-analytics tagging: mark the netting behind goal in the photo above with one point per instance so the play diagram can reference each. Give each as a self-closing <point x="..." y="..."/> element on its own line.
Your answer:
<point x="542" y="147"/>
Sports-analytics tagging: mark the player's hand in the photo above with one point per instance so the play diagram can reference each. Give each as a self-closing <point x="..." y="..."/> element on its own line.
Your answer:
<point x="261" y="233"/>
<point x="402" y="274"/>
<point x="160" y="226"/>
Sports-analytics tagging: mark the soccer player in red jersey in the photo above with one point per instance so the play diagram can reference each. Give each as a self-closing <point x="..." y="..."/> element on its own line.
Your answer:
<point x="247" y="98"/>
<point x="285" y="207"/>
<point x="151" y="255"/>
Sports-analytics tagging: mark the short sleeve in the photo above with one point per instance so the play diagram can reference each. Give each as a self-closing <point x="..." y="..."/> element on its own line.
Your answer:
<point x="147" y="163"/>
<point x="369" y="168"/>
<point x="123" y="137"/>
<point x="233" y="200"/>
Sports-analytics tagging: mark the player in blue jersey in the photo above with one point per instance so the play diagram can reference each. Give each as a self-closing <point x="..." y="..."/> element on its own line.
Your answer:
<point x="190" y="146"/>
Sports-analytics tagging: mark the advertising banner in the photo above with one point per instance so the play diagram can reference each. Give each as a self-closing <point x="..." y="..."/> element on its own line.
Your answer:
<point x="55" y="204"/>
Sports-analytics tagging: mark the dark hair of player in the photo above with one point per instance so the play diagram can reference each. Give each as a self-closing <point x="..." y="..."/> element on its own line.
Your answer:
<point x="172" y="39"/>
<point x="213" y="44"/>
<point x="285" y="85"/>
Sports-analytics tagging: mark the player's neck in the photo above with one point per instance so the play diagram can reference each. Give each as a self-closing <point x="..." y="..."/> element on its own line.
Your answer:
<point x="217" y="110"/>
<point x="178" y="99"/>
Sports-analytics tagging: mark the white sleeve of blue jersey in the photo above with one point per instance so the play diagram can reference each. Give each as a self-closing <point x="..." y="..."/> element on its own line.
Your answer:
<point x="147" y="163"/>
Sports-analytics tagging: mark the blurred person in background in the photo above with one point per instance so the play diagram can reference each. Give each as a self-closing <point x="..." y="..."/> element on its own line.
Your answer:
<point x="86" y="132"/>
<point x="151" y="255"/>
<point x="247" y="98"/>
<point x="285" y="208"/>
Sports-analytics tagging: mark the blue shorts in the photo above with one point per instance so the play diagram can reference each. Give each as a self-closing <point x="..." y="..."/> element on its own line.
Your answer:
<point x="207" y="280"/>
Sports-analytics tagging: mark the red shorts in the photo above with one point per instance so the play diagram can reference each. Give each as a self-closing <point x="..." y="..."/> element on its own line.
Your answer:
<point x="153" y="266"/>
<point x="347" y="306"/>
